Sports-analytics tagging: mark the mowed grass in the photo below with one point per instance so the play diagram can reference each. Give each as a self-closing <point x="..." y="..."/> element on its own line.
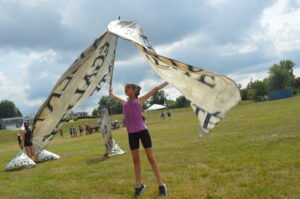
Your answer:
<point x="253" y="153"/>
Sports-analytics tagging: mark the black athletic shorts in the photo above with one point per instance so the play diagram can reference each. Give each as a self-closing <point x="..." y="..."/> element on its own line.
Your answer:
<point x="27" y="143"/>
<point x="135" y="137"/>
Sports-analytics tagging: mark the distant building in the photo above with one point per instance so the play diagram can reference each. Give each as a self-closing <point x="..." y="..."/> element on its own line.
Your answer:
<point x="11" y="123"/>
<point x="29" y="118"/>
<point x="78" y="114"/>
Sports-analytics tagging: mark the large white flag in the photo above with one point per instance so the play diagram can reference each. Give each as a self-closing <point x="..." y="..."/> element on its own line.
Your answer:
<point x="81" y="80"/>
<point x="212" y="95"/>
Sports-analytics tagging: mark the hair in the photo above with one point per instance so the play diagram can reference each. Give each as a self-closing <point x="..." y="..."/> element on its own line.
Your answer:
<point x="135" y="87"/>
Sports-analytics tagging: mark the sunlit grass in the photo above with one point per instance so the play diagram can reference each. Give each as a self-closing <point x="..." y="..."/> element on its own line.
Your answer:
<point x="253" y="153"/>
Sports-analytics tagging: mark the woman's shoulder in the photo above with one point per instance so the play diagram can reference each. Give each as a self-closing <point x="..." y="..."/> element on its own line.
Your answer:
<point x="139" y="101"/>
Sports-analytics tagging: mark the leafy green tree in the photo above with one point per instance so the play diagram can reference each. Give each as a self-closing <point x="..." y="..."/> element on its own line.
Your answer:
<point x="250" y="93"/>
<point x="181" y="102"/>
<point x="260" y="90"/>
<point x="113" y="106"/>
<point x="296" y="84"/>
<point x="8" y="109"/>
<point x="170" y="103"/>
<point x="158" y="98"/>
<point x="95" y="112"/>
<point x="244" y="94"/>
<point x="281" y="75"/>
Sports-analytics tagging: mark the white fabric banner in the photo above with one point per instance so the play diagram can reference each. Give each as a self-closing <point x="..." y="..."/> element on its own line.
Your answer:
<point x="212" y="95"/>
<point x="21" y="161"/>
<point x="81" y="80"/>
<point x="111" y="147"/>
<point x="45" y="155"/>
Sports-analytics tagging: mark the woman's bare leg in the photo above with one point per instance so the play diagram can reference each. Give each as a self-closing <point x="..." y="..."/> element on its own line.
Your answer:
<point x="154" y="165"/>
<point x="137" y="166"/>
<point x="28" y="151"/>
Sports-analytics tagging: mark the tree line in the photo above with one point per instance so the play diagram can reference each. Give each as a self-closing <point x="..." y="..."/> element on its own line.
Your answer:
<point x="280" y="77"/>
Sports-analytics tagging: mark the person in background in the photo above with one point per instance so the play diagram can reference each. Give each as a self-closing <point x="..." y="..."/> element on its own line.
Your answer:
<point x="162" y="115"/>
<point x="137" y="130"/>
<point x="19" y="141"/>
<point x="74" y="131"/>
<point x="87" y="129"/>
<point x="26" y="141"/>
<point x="61" y="133"/>
<point x="71" y="131"/>
<point x="169" y="115"/>
<point x="80" y="130"/>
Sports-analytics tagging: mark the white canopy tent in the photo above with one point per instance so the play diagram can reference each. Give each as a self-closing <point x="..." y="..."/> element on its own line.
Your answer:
<point x="156" y="107"/>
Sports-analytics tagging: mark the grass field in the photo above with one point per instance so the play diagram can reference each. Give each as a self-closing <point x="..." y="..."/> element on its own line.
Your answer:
<point x="253" y="153"/>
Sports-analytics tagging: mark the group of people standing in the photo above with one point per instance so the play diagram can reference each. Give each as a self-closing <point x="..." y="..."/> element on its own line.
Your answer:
<point x="74" y="131"/>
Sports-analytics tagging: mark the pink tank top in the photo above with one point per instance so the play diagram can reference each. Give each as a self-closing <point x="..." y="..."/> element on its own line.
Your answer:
<point x="133" y="117"/>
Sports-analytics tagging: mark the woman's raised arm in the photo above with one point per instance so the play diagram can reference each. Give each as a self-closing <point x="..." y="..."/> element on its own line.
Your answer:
<point x="116" y="97"/>
<point x="152" y="92"/>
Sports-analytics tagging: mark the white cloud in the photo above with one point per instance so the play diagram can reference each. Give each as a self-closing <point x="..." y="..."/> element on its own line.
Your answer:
<point x="245" y="78"/>
<point x="188" y="42"/>
<point x="44" y="75"/>
<point x="172" y="92"/>
<point x="135" y="60"/>
<point x="27" y="69"/>
<point x="16" y="93"/>
<point x="2" y="77"/>
<point x="281" y="25"/>
<point x="216" y="3"/>
<point x="231" y="49"/>
<point x="31" y="3"/>
<point x="297" y="72"/>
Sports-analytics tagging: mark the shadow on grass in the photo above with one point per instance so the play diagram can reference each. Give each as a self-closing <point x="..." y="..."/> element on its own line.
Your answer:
<point x="96" y="160"/>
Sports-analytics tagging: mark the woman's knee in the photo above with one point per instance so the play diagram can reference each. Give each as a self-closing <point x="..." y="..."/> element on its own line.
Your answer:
<point x="135" y="157"/>
<point x="136" y="160"/>
<point x="151" y="159"/>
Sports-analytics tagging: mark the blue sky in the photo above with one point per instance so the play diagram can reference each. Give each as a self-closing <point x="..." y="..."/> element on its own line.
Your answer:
<point x="39" y="40"/>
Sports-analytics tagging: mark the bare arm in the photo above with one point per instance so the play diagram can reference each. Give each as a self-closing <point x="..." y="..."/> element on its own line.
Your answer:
<point x="23" y="138"/>
<point x="152" y="92"/>
<point x="116" y="97"/>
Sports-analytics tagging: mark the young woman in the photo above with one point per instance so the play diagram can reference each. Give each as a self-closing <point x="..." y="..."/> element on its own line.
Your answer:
<point x="26" y="141"/>
<point x="137" y="130"/>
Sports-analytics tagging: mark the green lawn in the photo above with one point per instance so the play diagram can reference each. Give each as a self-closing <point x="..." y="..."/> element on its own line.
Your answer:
<point x="253" y="153"/>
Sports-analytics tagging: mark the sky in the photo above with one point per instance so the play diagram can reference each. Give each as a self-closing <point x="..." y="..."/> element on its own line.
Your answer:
<point x="40" y="39"/>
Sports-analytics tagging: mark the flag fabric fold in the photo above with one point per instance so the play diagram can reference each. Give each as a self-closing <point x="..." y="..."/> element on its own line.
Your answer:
<point x="111" y="147"/>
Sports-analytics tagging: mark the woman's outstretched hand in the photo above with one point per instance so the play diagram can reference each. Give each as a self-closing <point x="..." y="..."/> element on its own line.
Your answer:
<point x="110" y="91"/>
